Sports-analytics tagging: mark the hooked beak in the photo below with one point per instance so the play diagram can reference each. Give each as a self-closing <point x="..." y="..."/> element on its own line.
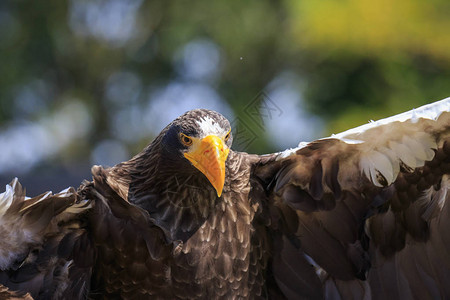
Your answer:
<point x="208" y="155"/>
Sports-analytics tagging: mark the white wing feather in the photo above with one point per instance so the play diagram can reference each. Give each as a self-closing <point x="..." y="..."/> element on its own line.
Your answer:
<point x="401" y="140"/>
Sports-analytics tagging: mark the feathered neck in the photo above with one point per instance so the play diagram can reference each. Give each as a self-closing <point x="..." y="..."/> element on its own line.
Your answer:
<point x="176" y="195"/>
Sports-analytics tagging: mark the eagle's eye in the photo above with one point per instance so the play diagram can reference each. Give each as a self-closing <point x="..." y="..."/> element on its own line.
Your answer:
<point x="228" y="135"/>
<point x="187" y="141"/>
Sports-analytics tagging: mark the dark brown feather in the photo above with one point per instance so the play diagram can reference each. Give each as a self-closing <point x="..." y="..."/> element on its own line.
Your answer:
<point x="362" y="214"/>
<point x="351" y="226"/>
<point x="48" y="262"/>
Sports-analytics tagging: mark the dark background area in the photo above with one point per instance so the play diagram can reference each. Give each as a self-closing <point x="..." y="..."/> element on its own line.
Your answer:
<point x="92" y="82"/>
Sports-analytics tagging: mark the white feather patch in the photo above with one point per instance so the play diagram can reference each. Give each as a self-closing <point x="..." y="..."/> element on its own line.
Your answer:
<point x="445" y="187"/>
<point x="377" y="162"/>
<point x="320" y="272"/>
<point x="6" y="198"/>
<point x="15" y="238"/>
<point x="433" y="200"/>
<point x="411" y="151"/>
<point x="428" y="143"/>
<point x="384" y="147"/>
<point x="404" y="153"/>
<point x="286" y="153"/>
<point x="349" y="141"/>
<point x="209" y="126"/>
<point x="410" y="146"/>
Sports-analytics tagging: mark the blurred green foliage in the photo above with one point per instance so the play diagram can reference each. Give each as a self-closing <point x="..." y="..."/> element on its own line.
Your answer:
<point x="370" y="59"/>
<point x="355" y="60"/>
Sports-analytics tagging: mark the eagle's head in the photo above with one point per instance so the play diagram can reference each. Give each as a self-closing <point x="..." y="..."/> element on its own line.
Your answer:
<point x="200" y="139"/>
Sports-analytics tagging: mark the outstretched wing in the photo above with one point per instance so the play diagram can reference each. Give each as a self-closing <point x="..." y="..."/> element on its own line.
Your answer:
<point x="364" y="213"/>
<point x="44" y="249"/>
<point x="132" y="252"/>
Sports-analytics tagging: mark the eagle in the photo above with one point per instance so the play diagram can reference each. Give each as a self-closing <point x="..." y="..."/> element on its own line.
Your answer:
<point x="363" y="214"/>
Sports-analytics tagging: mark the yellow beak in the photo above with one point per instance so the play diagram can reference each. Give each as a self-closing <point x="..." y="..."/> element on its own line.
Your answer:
<point x="208" y="155"/>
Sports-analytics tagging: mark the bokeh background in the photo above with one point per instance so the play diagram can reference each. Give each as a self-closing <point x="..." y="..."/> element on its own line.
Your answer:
<point x="92" y="82"/>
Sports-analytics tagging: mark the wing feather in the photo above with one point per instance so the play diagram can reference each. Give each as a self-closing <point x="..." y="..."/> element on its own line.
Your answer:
<point x="133" y="251"/>
<point x="371" y="202"/>
<point x="44" y="249"/>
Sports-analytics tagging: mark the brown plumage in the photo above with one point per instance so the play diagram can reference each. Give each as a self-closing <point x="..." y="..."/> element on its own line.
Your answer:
<point x="358" y="215"/>
<point x="7" y="294"/>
